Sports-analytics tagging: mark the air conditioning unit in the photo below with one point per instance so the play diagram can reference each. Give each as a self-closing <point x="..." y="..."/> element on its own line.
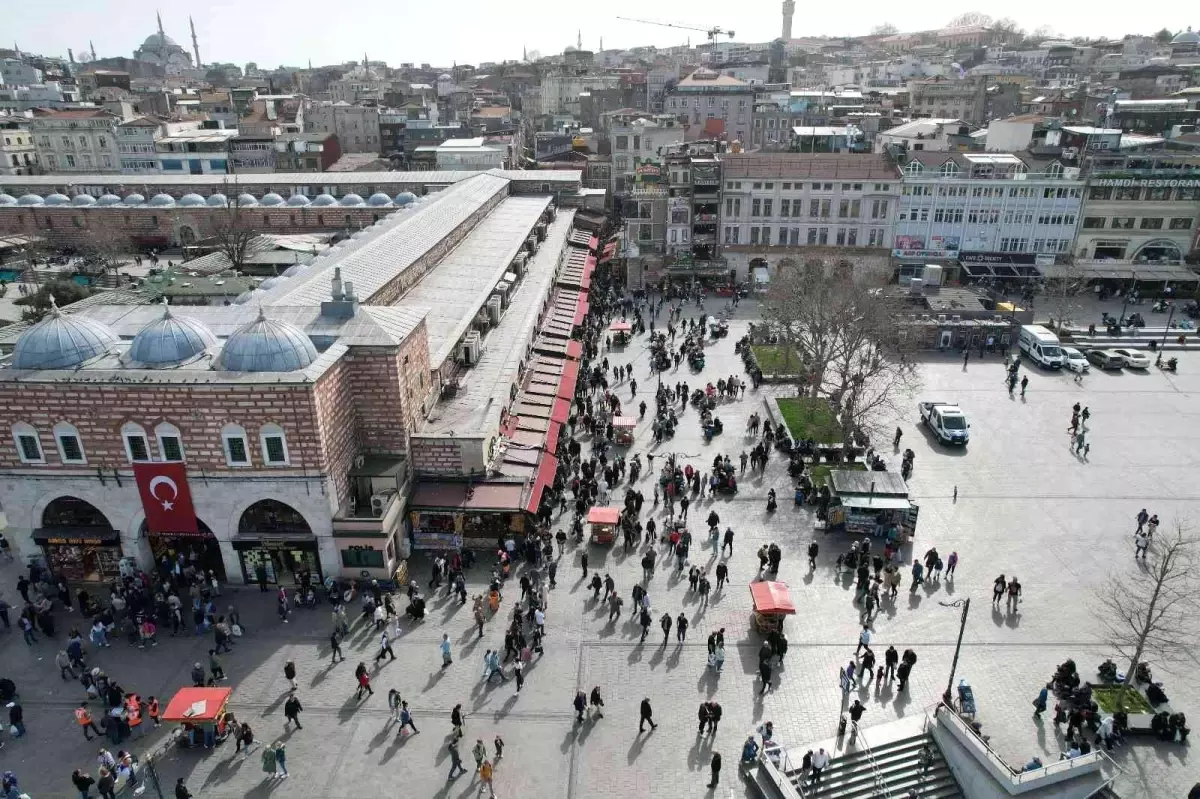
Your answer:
<point x="379" y="503"/>
<point x="916" y="286"/>
<point x="956" y="318"/>
<point x="932" y="275"/>
<point x="941" y="319"/>
<point x="493" y="309"/>
<point x="540" y="231"/>
<point x="472" y="348"/>
<point x="518" y="264"/>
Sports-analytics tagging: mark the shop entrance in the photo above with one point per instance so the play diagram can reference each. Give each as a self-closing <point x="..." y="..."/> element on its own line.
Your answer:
<point x="79" y="542"/>
<point x="275" y="542"/>
<point x="200" y="550"/>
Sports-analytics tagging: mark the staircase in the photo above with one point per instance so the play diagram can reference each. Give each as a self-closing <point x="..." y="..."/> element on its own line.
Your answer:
<point x="887" y="771"/>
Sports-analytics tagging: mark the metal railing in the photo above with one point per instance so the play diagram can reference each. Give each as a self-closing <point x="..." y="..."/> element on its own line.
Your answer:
<point x="882" y="790"/>
<point x="779" y="774"/>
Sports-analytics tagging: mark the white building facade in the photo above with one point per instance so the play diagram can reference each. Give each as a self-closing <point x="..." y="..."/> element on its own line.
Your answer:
<point x="77" y="140"/>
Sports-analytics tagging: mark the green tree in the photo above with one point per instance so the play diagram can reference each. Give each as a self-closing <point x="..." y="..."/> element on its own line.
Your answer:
<point x="1164" y="36"/>
<point x="63" y="291"/>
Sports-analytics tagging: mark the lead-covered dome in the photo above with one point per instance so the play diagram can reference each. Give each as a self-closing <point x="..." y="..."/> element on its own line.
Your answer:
<point x="246" y="200"/>
<point x="191" y="200"/>
<point x="134" y="199"/>
<point x="30" y="199"/>
<point x="271" y="198"/>
<point x="1186" y="37"/>
<point x="217" y="200"/>
<point x="61" y="342"/>
<point x="267" y="345"/>
<point x="170" y="340"/>
<point x="352" y="199"/>
<point x="162" y="201"/>
<point x="298" y="201"/>
<point x="324" y="200"/>
<point x="108" y="200"/>
<point x="83" y="200"/>
<point x="405" y="198"/>
<point x="7" y="199"/>
<point x="57" y="199"/>
<point x="379" y="199"/>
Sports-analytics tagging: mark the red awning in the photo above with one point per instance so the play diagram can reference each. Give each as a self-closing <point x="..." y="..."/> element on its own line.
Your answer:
<point x="570" y="376"/>
<point x="544" y="478"/>
<point x="604" y="515"/>
<point x="620" y="327"/>
<point x="624" y="421"/>
<point x="574" y="349"/>
<point x="561" y="412"/>
<point x="593" y="242"/>
<point x="581" y="309"/>
<point x="552" y="433"/>
<point x="197" y="704"/>
<point x="609" y="251"/>
<point x="772" y="597"/>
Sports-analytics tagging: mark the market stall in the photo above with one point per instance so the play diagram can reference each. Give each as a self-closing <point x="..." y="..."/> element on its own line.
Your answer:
<point x="772" y="602"/>
<point x="621" y="331"/>
<point x="870" y="503"/>
<point x="623" y="430"/>
<point x="202" y="714"/>
<point x="603" y="523"/>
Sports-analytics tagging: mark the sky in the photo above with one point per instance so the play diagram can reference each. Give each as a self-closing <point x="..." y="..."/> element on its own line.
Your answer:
<point x="292" y="32"/>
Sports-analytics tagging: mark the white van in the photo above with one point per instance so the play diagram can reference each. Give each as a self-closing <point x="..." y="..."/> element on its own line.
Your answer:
<point x="1041" y="346"/>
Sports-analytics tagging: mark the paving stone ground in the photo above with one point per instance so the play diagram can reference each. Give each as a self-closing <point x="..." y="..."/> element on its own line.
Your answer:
<point x="1025" y="505"/>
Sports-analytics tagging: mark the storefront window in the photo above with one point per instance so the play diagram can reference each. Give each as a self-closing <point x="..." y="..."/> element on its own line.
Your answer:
<point x="79" y="542"/>
<point x="358" y="557"/>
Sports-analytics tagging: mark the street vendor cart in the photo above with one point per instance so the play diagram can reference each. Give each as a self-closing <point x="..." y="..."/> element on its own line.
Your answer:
<point x="623" y="430"/>
<point x="604" y="524"/>
<point x="202" y="714"/>
<point x="621" y="331"/>
<point x="871" y="503"/>
<point x="772" y="602"/>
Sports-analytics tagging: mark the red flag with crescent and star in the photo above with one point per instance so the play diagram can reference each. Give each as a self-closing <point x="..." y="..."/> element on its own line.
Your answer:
<point x="166" y="497"/>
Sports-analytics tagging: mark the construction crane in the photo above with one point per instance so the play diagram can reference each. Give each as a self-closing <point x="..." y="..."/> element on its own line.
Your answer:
<point x="712" y="32"/>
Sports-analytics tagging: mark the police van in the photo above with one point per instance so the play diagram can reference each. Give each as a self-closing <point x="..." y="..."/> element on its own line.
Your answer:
<point x="1041" y="346"/>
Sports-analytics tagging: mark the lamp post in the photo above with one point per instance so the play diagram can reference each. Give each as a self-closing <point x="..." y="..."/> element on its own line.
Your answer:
<point x="1132" y="288"/>
<point x="1167" y="329"/>
<point x="965" y="604"/>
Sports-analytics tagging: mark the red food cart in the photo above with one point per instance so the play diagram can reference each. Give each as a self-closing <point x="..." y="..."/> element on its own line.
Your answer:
<point x="604" y="524"/>
<point x="202" y="713"/>
<point x="623" y="430"/>
<point x="621" y="331"/>
<point x="772" y="602"/>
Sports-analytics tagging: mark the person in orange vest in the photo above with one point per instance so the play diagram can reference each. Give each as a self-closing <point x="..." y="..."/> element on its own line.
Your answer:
<point x="84" y="718"/>
<point x="133" y="712"/>
<point x="153" y="712"/>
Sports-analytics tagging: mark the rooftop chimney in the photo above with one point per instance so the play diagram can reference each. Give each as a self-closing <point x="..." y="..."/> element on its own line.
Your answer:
<point x="343" y="304"/>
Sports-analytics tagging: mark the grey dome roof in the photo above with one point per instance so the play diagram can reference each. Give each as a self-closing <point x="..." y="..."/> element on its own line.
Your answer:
<point x="267" y="345"/>
<point x="190" y="200"/>
<point x="405" y="197"/>
<point x="58" y="199"/>
<point x="247" y="199"/>
<point x="162" y="201"/>
<point x="217" y="200"/>
<point x="270" y="283"/>
<point x="30" y="199"/>
<point x="271" y="198"/>
<point x="7" y="199"/>
<point x="1186" y="37"/>
<point x="134" y="199"/>
<point x="352" y="199"/>
<point x="83" y="199"/>
<point x="61" y="342"/>
<point x="379" y="198"/>
<point x="324" y="200"/>
<point x="157" y="41"/>
<point x="108" y="199"/>
<point x="298" y="200"/>
<point x="294" y="270"/>
<point x="170" y="340"/>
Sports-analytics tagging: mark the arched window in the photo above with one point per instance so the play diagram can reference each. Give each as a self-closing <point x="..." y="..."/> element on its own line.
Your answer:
<point x="948" y="169"/>
<point x="237" y="449"/>
<point x="274" y="445"/>
<point x="29" y="444"/>
<point x="136" y="446"/>
<point x="70" y="445"/>
<point x="170" y="442"/>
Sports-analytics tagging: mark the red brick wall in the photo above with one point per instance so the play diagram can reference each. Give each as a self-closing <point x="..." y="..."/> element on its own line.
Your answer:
<point x="340" y="436"/>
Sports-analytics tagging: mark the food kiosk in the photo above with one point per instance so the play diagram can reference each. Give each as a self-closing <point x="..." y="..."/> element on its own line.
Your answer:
<point x="623" y="430"/>
<point x="871" y="503"/>
<point x="603" y="522"/>
<point x="201" y="712"/>
<point x="621" y="331"/>
<point x="772" y="602"/>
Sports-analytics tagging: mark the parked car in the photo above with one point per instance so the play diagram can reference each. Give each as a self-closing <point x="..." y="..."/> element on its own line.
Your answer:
<point x="1075" y="360"/>
<point x="1105" y="359"/>
<point x="1133" y="358"/>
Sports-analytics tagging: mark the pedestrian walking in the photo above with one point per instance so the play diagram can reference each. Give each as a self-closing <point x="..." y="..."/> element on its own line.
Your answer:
<point x="280" y="759"/>
<point x="83" y="718"/>
<point x="1014" y="594"/>
<point x="485" y="779"/>
<point x="291" y="712"/>
<point x="1024" y="384"/>
<point x="1140" y="543"/>
<point x="456" y="720"/>
<point x="951" y="564"/>
<point x="864" y="640"/>
<point x="890" y="658"/>
<point x="580" y="705"/>
<point x="596" y="702"/>
<point x="647" y="715"/>
<point x="498" y="745"/>
<point x="385" y="647"/>
<point x="445" y="647"/>
<point x="727" y="541"/>
<point x="715" y="766"/>
<point x="681" y="625"/>
<point x="289" y="674"/>
<point x="364" y="681"/>
<point x="456" y="767"/>
<point x="821" y="759"/>
<point x="479" y="752"/>
<point x="335" y="645"/>
<point x="406" y="719"/>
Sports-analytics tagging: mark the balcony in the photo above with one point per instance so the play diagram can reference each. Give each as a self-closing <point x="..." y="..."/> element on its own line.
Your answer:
<point x="379" y="489"/>
<point x="705" y="219"/>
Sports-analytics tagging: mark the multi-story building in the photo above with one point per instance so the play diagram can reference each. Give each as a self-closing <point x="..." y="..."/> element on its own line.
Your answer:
<point x="76" y="140"/>
<point x="792" y="206"/>
<point x="252" y="153"/>
<point x="986" y="209"/>
<point x="638" y="138"/>
<point x="945" y="98"/>
<point x="711" y="105"/>
<point x="15" y="72"/>
<point x="693" y="175"/>
<point x="926" y="135"/>
<point x="560" y="93"/>
<point x="18" y="154"/>
<point x="202" y="151"/>
<point x="1139" y="209"/>
<point x="306" y="152"/>
<point x="356" y="126"/>
<point x="135" y="145"/>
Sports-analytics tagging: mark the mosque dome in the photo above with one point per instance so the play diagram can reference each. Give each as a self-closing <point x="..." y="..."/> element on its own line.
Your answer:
<point x="30" y="199"/>
<point x="217" y="200"/>
<point x="247" y="200"/>
<point x="7" y="199"/>
<point x="352" y="199"/>
<point x="379" y="198"/>
<point x="270" y="283"/>
<point x="83" y="200"/>
<point x="134" y="199"/>
<point x="162" y="201"/>
<point x="405" y="197"/>
<point x="295" y="269"/>
<point x="324" y="200"/>
<point x="170" y="340"/>
<point x="61" y="342"/>
<point x="57" y="199"/>
<point x="1186" y="37"/>
<point x="271" y="198"/>
<point x="267" y="345"/>
<point x="298" y="201"/>
<point x="108" y="199"/>
<point x="157" y="41"/>
<point x="188" y="200"/>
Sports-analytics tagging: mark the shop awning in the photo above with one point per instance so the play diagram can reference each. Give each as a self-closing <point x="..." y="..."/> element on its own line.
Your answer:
<point x="772" y="597"/>
<point x="76" y="536"/>
<point x="624" y="421"/>
<point x="609" y="251"/>
<point x="552" y="434"/>
<point x="561" y="412"/>
<point x="454" y="496"/>
<point x="581" y="310"/>
<point x="543" y="479"/>
<point x="876" y="502"/>
<point x="197" y="704"/>
<point x="604" y="515"/>
<point x="570" y="376"/>
<point x="574" y="349"/>
<point x="620" y="326"/>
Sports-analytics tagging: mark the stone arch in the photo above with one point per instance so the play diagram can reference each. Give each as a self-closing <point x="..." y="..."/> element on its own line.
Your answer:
<point x="1158" y="249"/>
<point x="71" y="511"/>
<point x="270" y="515"/>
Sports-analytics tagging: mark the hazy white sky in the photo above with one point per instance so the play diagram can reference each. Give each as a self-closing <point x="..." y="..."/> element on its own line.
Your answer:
<point x="274" y="32"/>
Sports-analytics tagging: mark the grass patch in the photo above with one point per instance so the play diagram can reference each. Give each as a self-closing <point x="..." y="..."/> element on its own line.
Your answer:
<point x="807" y="418"/>
<point x="774" y="360"/>
<point x="820" y="473"/>
<point x="1134" y="701"/>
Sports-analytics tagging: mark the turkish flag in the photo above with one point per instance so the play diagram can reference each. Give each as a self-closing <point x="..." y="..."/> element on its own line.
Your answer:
<point x="166" y="497"/>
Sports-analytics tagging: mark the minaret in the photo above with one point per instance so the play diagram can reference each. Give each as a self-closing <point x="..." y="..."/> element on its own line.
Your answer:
<point x="195" y="43"/>
<point x="524" y="52"/>
<point x="93" y="49"/>
<point x="160" y="28"/>
<point x="789" y="7"/>
<point x="578" y="40"/>
<point x="602" y="44"/>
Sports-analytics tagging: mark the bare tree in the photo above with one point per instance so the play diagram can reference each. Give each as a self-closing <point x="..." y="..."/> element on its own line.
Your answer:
<point x="1151" y="614"/>
<point x="1044" y="32"/>
<point x="106" y="247"/>
<point x="1064" y="293"/>
<point x="970" y="19"/>
<point x="233" y="231"/>
<point x="840" y="322"/>
<point x="885" y="29"/>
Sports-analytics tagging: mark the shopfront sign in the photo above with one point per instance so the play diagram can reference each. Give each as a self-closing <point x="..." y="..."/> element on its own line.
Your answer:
<point x="166" y="497"/>
<point x="1152" y="183"/>
<point x="904" y="253"/>
<point x="994" y="258"/>
<point x="79" y="542"/>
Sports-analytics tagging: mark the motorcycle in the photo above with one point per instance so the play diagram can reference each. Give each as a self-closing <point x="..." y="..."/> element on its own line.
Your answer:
<point x="1162" y="306"/>
<point x="1171" y="364"/>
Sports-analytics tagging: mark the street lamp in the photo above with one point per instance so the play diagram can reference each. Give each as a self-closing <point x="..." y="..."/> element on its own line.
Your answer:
<point x="965" y="604"/>
<point x="1132" y="288"/>
<point x="1167" y="329"/>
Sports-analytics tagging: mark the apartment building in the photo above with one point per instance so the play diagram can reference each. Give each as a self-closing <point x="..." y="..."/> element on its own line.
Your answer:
<point x="777" y="206"/>
<point x="636" y="138"/>
<point x="76" y="140"/>
<point x="18" y="153"/>
<point x="713" y="106"/>
<point x="944" y="97"/>
<point x="135" y="145"/>
<point x="356" y="126"/>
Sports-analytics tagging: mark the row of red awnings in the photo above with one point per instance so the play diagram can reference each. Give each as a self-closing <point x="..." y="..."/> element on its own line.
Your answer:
<point x="610" y="250"/>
